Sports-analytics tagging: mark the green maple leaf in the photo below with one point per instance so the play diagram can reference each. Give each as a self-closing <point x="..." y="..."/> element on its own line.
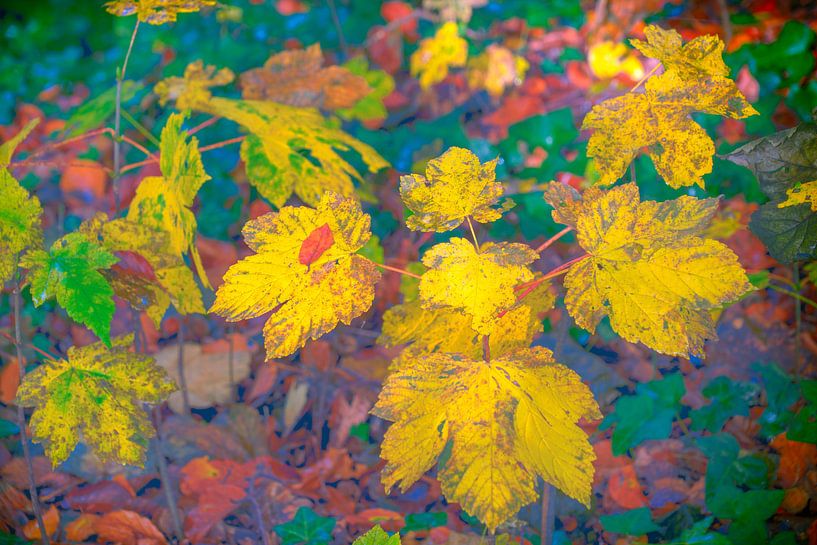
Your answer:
<point x="19" y="212"/>
<point x="306" y="528"/>
<point x="69" y="271"/>
<point x="97" y="394"/>
<point x="377" y="536"/>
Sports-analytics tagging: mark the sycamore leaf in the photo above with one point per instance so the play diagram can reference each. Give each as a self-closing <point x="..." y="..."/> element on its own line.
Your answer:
<point x="801" y="194"/>
<point x="450" y="331"/>
<point x="298" y="78"/>
<point x="20" y="212"/>
<point x="70" y="271"/>
<point x="194" y="86"/>
<point x="501" y="423"/>
<point x="649" y="269"/>
<point x="156" y="12"/>
<point x="378" y="536"/>
<point x="290" y="149"/>
<point x="436" y="55"/>
<point x="305" y="271"/>
<point x="163" y="202"/>
<point x="496" y="69"/>
<point x="659" y="119"/>
<point x="95" y="395"/>
<point x="455" y="187"/>
<point x="169" y="280"/>
<point x="703" y="55"/>
<point x="480" y="283"/>
<point x="785" y="164"/>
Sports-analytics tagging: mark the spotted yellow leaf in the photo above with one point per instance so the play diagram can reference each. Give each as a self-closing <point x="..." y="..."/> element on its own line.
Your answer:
<point x="290" y="149"/>
<point x="20" y="224"/>
<point x="437" y="54"/>
<point x="649" y="268"/>
<point x="801" y="194"/>
<point x="703" y="55"/>
<point x="95" y="395"/>
<point x="156" y="12"/>
<point x="501" y="423"/>
<point x="455" y="186"/>
<point x="449" y="330"/>
<point x="305" y="272"/>
<point x="659" y="121"/>
<point x="174" y="281"/>
<point x="194" y="86"/>
<point x="479" y="283"/>
<point x="163" y="202"/>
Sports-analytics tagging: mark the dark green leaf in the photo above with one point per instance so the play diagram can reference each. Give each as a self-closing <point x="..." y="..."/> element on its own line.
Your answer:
<point x="728" y="398"/>
<point x="789" y="233"/>
<point x="306" y="528"/>
<point x="635" y="522"/>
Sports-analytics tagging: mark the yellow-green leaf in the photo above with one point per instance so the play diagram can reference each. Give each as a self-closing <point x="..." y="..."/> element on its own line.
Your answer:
<point x="95" y="395"/>
<point x="650" y="269"/>
<point x="455" y="187"/>
<point x="504" y="422"/>
<point x="163" y="202"/>
<point x="480" y="283"/>
<point x="305" y="271"/>
<point x="20" y="212"/>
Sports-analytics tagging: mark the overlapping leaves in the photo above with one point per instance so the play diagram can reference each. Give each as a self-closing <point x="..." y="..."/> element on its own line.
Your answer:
<point x="502" y="423"/>
<point x="659" y="119"/>
<point x="305" y="271"/>
<point x="648" y="267"/>
<point x="97" y="395"/>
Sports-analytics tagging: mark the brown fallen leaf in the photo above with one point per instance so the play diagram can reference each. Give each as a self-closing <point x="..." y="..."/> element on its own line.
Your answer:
<point x="298" y="78"/>
<point x="207" y="374"/>
<point x="128" y="528"/>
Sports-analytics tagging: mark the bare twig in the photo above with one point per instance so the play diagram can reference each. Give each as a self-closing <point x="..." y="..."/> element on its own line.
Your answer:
<point x="180" y="368"/>
<point x="546" y="532"/>
<point x="164" y="476"/>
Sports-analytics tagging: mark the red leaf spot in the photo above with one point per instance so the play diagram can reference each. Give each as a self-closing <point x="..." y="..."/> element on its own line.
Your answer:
<point x="316" y="244"/>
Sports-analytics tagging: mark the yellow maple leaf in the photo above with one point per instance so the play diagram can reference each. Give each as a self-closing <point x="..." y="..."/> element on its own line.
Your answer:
<point x="97" y="394"/>
<point x="163" y="202"/>
<point x="436" y="55"/>
<point x="703" y="55"/>
<point x="20" y="212"/>
<point x="496" y="69"/>
<point x="291" y="149"/>
<point x="175" y="281"/>
<point x="801" y="194"/>
<point x="609" y="59"/>
<point x="506" y="421"/>
<point x="450" y="331"/>
<point x="478" y="282"/>
<point x="194" y="86"/>
<point x="659" y="119"/>
<point x="649" y="269"/>
<point x="156" y="12"/>
<point x="305" y="271"/>
<point x="455" y="186"/>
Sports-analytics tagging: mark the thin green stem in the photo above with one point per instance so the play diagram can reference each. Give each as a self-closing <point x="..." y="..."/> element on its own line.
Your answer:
<point x="395" y="269"/>
<point x="117" y="122"/>
<point x="796" y="295"/>
<point x="141" y="128"/>
<point x="473" y="233"/>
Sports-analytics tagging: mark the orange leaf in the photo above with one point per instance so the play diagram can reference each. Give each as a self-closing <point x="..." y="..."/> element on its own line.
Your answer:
<point x="82" y="527"/>
<point x="84" y="180"/>
<point x="625" y="489"/>
<point x="128" y="528"/>
<point x="51" y="518"/>
<point x="9" y="380"/>
<point x="795" y="459"/>
<point x="316" y="244"/>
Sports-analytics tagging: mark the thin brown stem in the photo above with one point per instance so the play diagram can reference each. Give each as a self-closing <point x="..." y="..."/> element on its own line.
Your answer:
<point x="153" y="159"/>
<point x="180" y="368"/>
<point x="223" y="143"/>
<point x="231" y="358"/>
<point x="395" y="269"/>
<point x="526" y="289"/>
<point x="21" y="418"/>
<point x="29" y="345"/>
<point x="338" y="28"/>
<point x="546" y="532"/>
<point x="164" y="477"/>
<point x="203" y="125"/>
<point x="646" y="76"/>
<point x="546" y="244"/>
